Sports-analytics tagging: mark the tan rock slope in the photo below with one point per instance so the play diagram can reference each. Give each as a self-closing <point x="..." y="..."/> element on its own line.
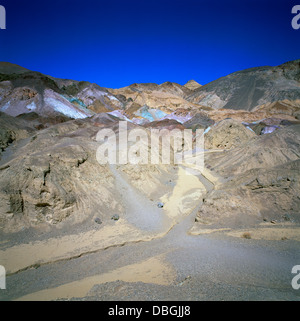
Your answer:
<point x="53" y="176"/>
<point x="260" y="182"/>
<point x="228" y="133"/>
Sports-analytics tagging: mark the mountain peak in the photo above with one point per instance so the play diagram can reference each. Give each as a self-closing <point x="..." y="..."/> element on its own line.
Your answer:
<point x="192" y="85"/>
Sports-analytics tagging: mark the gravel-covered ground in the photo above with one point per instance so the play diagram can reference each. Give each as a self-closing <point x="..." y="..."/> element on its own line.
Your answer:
<point x="203" y="267"/>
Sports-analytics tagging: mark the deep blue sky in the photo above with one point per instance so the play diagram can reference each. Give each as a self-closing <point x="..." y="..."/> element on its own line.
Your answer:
<point x="116" y="43"/>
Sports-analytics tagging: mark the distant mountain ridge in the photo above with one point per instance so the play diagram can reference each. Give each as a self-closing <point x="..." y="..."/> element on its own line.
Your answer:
<point x="252" y="87"/>
<point x="24" y="91"/>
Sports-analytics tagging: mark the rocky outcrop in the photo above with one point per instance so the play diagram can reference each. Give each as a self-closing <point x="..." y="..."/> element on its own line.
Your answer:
<point x="53" y="176"/>
<point x="265" y="151"/>
<point x="199" y="120"/>
<point x="253" y="197"/>
<point x="11" y="130"/>
<point x="227" y="134"/>
<point x="260" y="182"/>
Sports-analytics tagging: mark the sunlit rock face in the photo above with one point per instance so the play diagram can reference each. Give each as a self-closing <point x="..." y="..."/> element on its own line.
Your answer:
<point x="23" y="91"/>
